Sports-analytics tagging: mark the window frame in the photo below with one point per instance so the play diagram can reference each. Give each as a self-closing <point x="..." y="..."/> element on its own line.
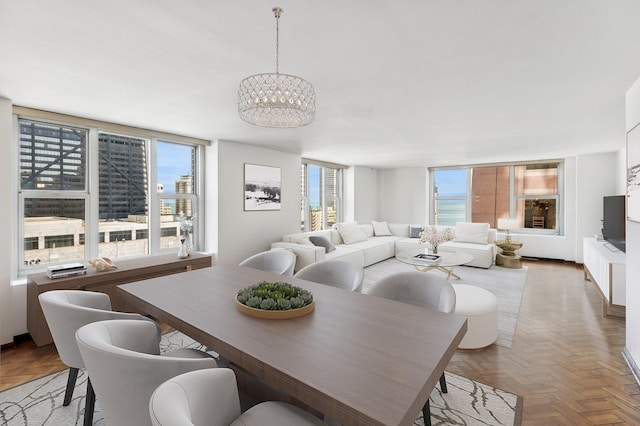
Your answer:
<point x="90" y="194"/>
<point x="513" y="197"/>
<point x="338" y="198"/>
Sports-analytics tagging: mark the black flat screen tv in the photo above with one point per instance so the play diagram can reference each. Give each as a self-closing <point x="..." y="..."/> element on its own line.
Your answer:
<point x="614" y="219"/>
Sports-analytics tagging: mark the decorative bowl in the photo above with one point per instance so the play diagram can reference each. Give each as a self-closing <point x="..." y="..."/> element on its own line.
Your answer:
<point x="272" y="314"/>
<point x="276" y="300"/>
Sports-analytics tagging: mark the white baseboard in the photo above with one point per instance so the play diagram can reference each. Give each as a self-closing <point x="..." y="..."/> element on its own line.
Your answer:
<point x="632" y="365"/>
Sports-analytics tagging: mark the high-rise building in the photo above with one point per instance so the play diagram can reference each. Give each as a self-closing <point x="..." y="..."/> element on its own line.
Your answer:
<point x="123" y="176"/>
<point x="165" y="209"/>
<point x="184" y="185"/>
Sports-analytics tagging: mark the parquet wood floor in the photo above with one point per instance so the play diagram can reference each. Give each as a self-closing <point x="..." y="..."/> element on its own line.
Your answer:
<point x="565" y="360"/>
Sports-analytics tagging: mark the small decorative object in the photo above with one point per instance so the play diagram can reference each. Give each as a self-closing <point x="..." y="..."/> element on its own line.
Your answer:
<point x="435" y="237"/>
<point x="102" y="264"/>
<point x="182" y="252"/>
<point x="508" y="224"/>
<point x="186" y="226"/>
<point x="274" y="300"/>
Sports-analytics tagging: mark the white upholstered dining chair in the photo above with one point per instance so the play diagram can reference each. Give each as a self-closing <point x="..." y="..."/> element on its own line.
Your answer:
<point x="422" y="289"/>
<point x="279" y="261"/>
<point x="124" y="363"/>
<point x="334" y="272"/>
<point x="65" y="312"/>
<point x="210" y="398"/>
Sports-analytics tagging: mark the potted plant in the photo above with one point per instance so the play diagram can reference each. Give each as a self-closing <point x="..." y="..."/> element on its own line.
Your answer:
<point x="274" y="300"/>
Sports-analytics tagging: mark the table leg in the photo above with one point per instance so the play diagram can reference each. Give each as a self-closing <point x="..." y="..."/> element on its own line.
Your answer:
<point x="448" y="272"/>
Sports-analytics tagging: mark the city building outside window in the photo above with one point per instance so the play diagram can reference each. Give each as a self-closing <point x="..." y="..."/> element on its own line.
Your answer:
<point x="530" y="192"/>
<point x="85" y="193"/>
<point x="321" y="195"/>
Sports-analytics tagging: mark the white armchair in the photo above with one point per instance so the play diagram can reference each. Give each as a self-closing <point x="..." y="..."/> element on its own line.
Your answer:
<point x="422" y="289"/>
<point x="279" y="261"/>
<point x="124" y="363"/>
<point x="66" y="311"/>
<point x="210" y="398"/>
<point x="334" y="272"/>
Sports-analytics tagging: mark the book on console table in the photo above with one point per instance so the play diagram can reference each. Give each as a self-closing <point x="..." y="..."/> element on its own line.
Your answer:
<point x="67" y="270"/>
<point x="430" y="259"/>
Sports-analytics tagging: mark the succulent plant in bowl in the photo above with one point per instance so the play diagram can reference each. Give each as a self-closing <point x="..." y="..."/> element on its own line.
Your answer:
<point x="277" y="296"/>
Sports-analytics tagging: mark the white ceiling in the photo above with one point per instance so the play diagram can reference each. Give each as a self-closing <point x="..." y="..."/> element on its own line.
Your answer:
<point x="398" y="83"/>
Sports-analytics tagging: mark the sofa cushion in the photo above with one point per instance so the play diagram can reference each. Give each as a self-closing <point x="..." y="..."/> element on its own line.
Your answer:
<point x="344" y="252"/>
<point x="376" y="249"/>
<point x="399" y="229"/>
<point x="380" y="229"/>
<point x="415" y="230"/>
<point x="320" y="241"/>
<point x="351" y="232"/>
<point x="476" y="233"/>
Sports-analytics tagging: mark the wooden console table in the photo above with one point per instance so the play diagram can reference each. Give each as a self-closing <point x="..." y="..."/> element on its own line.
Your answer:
<point x="104" y="282"/>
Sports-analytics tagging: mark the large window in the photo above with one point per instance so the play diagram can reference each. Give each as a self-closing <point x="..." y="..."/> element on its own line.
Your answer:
<point x="321" y="189"/>
<point x="530" y="192"/>
<point x="85" y="192"/>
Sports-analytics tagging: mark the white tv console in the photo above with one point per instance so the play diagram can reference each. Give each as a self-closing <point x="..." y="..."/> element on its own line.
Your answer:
<point x="606" y="266"/>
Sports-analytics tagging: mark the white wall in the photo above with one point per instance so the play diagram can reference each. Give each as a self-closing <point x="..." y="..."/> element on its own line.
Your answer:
<point x="243" y="233"/>
<point x="632" y="344"/>
<point x="361" y="194"/>
<point x="598" y="177"/>
<point x="7" y="213"/>
<point x="402" y="195"/>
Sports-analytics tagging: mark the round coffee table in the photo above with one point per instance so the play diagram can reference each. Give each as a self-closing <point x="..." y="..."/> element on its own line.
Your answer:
<point x="448" y="261"/>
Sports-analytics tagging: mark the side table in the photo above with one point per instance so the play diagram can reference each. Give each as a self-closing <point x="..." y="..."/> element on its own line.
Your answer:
<point x="509" y="258"/>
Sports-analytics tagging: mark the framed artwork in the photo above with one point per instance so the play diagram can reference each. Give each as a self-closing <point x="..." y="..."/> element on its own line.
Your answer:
<point x="261" y="187"/>
<point x="633" y="174"/>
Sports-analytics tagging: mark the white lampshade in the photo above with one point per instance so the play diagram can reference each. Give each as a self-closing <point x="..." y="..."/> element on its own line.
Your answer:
<point x="508" y="223"/>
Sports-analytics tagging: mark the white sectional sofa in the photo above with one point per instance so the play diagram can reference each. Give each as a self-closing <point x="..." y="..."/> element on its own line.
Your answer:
<point x="366" y="246"/>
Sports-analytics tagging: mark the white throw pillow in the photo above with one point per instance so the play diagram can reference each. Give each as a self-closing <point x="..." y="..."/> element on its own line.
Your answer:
<point x="467" y="232"/>
<point x="380" y="229"/>
<point x="304" y="239"/>
<point x="351" y="232"/>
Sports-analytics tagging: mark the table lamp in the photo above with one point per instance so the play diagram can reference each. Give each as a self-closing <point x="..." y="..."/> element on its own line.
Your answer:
<point x="508" y="223"/>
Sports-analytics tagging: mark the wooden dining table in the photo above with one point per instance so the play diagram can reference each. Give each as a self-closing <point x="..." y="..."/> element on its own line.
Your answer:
<point x="358" y="359"/>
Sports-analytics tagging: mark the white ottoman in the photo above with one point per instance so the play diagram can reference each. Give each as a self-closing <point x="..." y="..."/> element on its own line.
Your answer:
<point x="481" y="309"/>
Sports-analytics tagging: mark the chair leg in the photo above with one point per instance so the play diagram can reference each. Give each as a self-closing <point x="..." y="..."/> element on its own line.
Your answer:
<point x="71" y="384"/>
<point x="89" y="404"/>
<point x="443" y="384"/>
<point x="426" y="414"/>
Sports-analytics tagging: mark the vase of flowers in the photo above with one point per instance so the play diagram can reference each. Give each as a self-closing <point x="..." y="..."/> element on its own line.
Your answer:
<point x="186" y="226"/>
<point x="434" y="236"/>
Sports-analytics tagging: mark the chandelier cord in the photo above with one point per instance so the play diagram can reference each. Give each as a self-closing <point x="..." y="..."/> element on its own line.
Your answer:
<point x="277" y="11"/>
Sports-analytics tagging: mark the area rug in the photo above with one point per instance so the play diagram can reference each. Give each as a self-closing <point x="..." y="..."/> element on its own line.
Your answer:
<point x="39" y="402"/>
<point x="506" y="284"/>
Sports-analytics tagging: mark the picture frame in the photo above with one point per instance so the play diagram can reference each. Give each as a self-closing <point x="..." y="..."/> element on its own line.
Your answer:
<point x="262" y="187"/>
<point x="633" y="174"/>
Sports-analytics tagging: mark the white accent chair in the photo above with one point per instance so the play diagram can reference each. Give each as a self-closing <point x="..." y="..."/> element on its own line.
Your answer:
<point x="124" y="363"/>
<point x="334" y="272"/>
<point x="278" y="261"/>
<point x="66" y="311"/>
<point x="422" y="289"/>
<point x="210" y="398"/>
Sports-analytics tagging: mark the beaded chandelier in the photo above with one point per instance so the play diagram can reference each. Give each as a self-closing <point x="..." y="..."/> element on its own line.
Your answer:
<point x="274" y="99"/>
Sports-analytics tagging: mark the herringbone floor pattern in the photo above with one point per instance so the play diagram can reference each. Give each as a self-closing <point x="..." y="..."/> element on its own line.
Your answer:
<point x="566" y="357"/>
<point x="565" y="360"/>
